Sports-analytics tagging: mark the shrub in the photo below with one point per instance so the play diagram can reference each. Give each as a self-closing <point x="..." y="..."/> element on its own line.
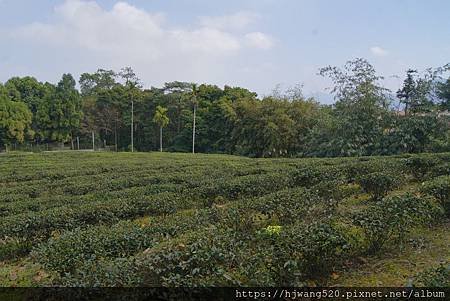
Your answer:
<point x="420" y="166"/>
<point x="12" y="247"/>
<point x="313" y="175"/>
<point x="33" y="224"/>
<point x="441" y="169"/>
<point x="120" y="272"/>
<point x="199" y="259"/>
<point x="305" y="251"/>
<point x="73" y="249"/>
<point x="392" y="218"/>
<point x="329" y="190"/>
<point x="433" y="277"/>
<point x="439" y="188"/>
<point x="287" y="206"/>
<point x="378" y="184"/>
<point x="250" y="185"/>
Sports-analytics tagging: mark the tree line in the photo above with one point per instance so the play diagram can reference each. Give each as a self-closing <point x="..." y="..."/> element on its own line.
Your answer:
<point x="366" y="119"/>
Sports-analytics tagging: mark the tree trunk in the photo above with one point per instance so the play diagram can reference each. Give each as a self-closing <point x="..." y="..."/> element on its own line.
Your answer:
<point x="115" y="134"/>
<point x="132" y="129"/>
<point x="160" y="139"/>
<point x="193" y="133"/>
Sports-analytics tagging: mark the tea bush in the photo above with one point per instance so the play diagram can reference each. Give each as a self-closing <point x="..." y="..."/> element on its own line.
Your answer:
<point x="72" y="249"/>
<point x="391" y="218"/>
<point x="433" y="277"/>
<point x="378" y="184"/>
<point x="308" y="251"/>
<point x="101" y="219"/>
<point x="420" y="166"/>
<point x="439" y="188"/>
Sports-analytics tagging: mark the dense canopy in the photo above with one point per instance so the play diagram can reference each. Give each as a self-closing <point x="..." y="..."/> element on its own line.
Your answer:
<point x="366" y="119"/>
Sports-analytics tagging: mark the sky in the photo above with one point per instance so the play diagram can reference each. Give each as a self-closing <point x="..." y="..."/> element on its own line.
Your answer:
<point x="256" y="44"/>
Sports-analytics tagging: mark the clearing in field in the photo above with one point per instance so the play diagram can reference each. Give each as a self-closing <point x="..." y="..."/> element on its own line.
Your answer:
<point x="121" y="219"/>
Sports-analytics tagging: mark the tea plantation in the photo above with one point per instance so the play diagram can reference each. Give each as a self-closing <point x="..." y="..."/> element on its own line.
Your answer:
<point x="148" y="219"/>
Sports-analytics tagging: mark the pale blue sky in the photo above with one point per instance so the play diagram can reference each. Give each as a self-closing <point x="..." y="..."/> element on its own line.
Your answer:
<point x="251" y="43"/>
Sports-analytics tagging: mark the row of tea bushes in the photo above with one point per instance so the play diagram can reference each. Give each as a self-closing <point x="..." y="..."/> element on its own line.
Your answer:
<point x="54" y="201"/>
<point x="41" y="224"/>
<point x="72" y="249"/>
<point x="439" y="188"/>
<point x="225" y="254"/>
<point x="215" y="221"/>
<point x="105" y="241"/>
<point x="390" y="219"/>
<point x="221" y="256"/>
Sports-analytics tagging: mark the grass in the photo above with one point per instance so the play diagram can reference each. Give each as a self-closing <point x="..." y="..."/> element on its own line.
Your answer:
<point x="23" y="273"/>
<point x="423" y="248"/>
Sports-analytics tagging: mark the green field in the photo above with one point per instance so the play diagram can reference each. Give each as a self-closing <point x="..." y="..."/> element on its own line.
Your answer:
<point x="150" y="219"/>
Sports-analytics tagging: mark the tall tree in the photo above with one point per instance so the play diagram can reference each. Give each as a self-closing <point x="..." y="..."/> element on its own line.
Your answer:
<point x="15" y="120"/>
<point x="194" y="95"/>
<point x="60" y="113"/>
<point x="359" y="110"/>
<point x="161" y="119"/>
<point x="92" y="83"/>
<point x="406" y="93"/>
<point x="356" y="81"/>
<point x="31" y="92"/>
<point x="415" y="93"/>
<point x="444" y="94"/>
<point x="133" y="93"/>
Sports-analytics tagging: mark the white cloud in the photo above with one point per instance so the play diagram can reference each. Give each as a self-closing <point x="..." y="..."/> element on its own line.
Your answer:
<point x="125" y="35"/>
<point x="378" y="51"/>
<point x="237" y="21"/>
<point x="259" y="40"/>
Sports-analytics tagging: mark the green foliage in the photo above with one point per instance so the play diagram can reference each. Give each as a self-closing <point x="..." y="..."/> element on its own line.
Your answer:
<point x="414" y="93"/>
<point x="106" y="219"/>
<point x="11" y="248"/>
<point x="420" y="166"/>
<point x="310" y="251"/>
<point x="415" y="134"/>
<point x="378" y="184"/>
<point x="313" y="175"/>
<point x="439" y="188"/>
<point x="160" y="117"/>
<point x="444" y="94"/>
<point x="433" y="277"/>
<point x="69" y="251"/>
<point x="59" y="114"/>
<point x="15" y="120"/>
<point x="273" y="230"/>
<point x="390" y="219"/>
<point x="234" y="120"/>
<point x="285" y="206"/>
<point x="195" y="260"/>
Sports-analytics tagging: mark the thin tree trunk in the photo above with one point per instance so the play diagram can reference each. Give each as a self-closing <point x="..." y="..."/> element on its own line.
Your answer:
<point x="193" y="133"/>
<point x="160" y="139"/>
<point x="132" y="129"/>
<point x="115" y="133"/>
